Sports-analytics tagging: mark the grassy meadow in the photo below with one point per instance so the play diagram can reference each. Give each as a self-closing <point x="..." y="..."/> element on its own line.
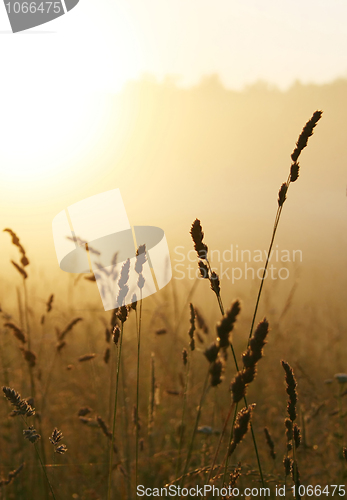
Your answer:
<point x="183" y="412"/>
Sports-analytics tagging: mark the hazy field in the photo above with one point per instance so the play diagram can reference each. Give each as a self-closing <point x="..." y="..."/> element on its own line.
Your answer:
<point x="177" y="154"/>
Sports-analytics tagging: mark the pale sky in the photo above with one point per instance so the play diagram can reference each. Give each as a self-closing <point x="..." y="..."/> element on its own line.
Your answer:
<point x="100" y="44"/>
<point x="55" y="78"/>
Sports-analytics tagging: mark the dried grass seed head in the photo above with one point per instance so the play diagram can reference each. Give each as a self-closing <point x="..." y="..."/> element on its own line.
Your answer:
<point x="61" y="449"/>
<point x="282" y="194"/>
<point x="185" y="356"/>
<point x="140" y="258"/>
<point x="307" y="131"/>
<point x="297" y="435"/>
<point x="17" y="332"/>
<point x="116" y="334"/>
<point x="122" y="283"/>
<point x="31" y="434"/>
<point x="291" y="390"/>
<point x="226" y="325"/>
<point x="103" y="426"/>
<point x="270" y="443"/>
<point x="294" y="172"/>
<point x="22" y="407"/>
<point x="242" y="422"/>
<point x="216" y="372"/>
<point x="56" y="436"/>
<point x="215" y="283"/>
<point x="49" y="303"/>
<point x="211" y="352"/>
<point x="202" y="325"/>
<point x="197" y="236"/>
<point x="203" y="269"/>
<point x="255" y="347"/>
<point x="238" y="387"/>
<point x="122" y="314"/>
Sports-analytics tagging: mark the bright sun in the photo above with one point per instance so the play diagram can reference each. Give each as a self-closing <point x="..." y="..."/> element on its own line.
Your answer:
<point x="36" y="140"/>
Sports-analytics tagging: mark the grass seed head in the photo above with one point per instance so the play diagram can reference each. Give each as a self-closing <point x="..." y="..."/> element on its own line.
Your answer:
<point x="17" y="332"/>
<point x="294" y="172"/>
<point x="297" y="435"/>
<point x="211" y="352"/>
<point x="197" y="237"/>
<point x="270" y="443"/>
<point x="140" y="258"/>
<point x="203" y="269"/>
<point x="57" y="436"/>
<point x="31" y="434"/>
<point x="185" y="356"/>
<point x="291" y="390"/>
<point x="282" y="194"/>
<point x="307" y="131"/>
<point x="22" y="407"/>
<point x="226" y="325"/>
<point x="242" y="422"/>
<point x="216" y="372"/>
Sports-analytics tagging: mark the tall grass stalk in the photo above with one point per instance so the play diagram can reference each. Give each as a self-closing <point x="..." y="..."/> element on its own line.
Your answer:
<point x="114" y="413"/>
<point x="221" y="438"/>
<point x="292" y="177"/>
<point x="190" y="450"/>
<point x="138" y="389"/>
<point x="207" y="273"/>
<point x="43" y="467"/>
<point x="184" y="406"/>
<point x="246" y="403"/>
<point x="230" y="439"/>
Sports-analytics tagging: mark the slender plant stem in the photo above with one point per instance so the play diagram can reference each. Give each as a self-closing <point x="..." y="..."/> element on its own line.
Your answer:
<point x="245" y="399"/>
<point x="230" y="439"/>
<point x="42" y="464"/>
<point x="114" y="413"/>
<point x="220" y="442"/>
<point x="138" y="391"/>
<point x="202" y="398"/>
<point x="44" y="471"/>
<point x="295" y="470"/>
<point x="31" y="371"/>
<point x="277" y="219"/>
<point x="178" y="464"/>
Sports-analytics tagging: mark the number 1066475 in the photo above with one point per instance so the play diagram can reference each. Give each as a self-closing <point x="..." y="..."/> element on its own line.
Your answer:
<point x="34" y="7"/>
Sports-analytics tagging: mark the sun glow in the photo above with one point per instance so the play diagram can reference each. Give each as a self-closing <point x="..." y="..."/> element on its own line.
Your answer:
<point x="41" y="139"/>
